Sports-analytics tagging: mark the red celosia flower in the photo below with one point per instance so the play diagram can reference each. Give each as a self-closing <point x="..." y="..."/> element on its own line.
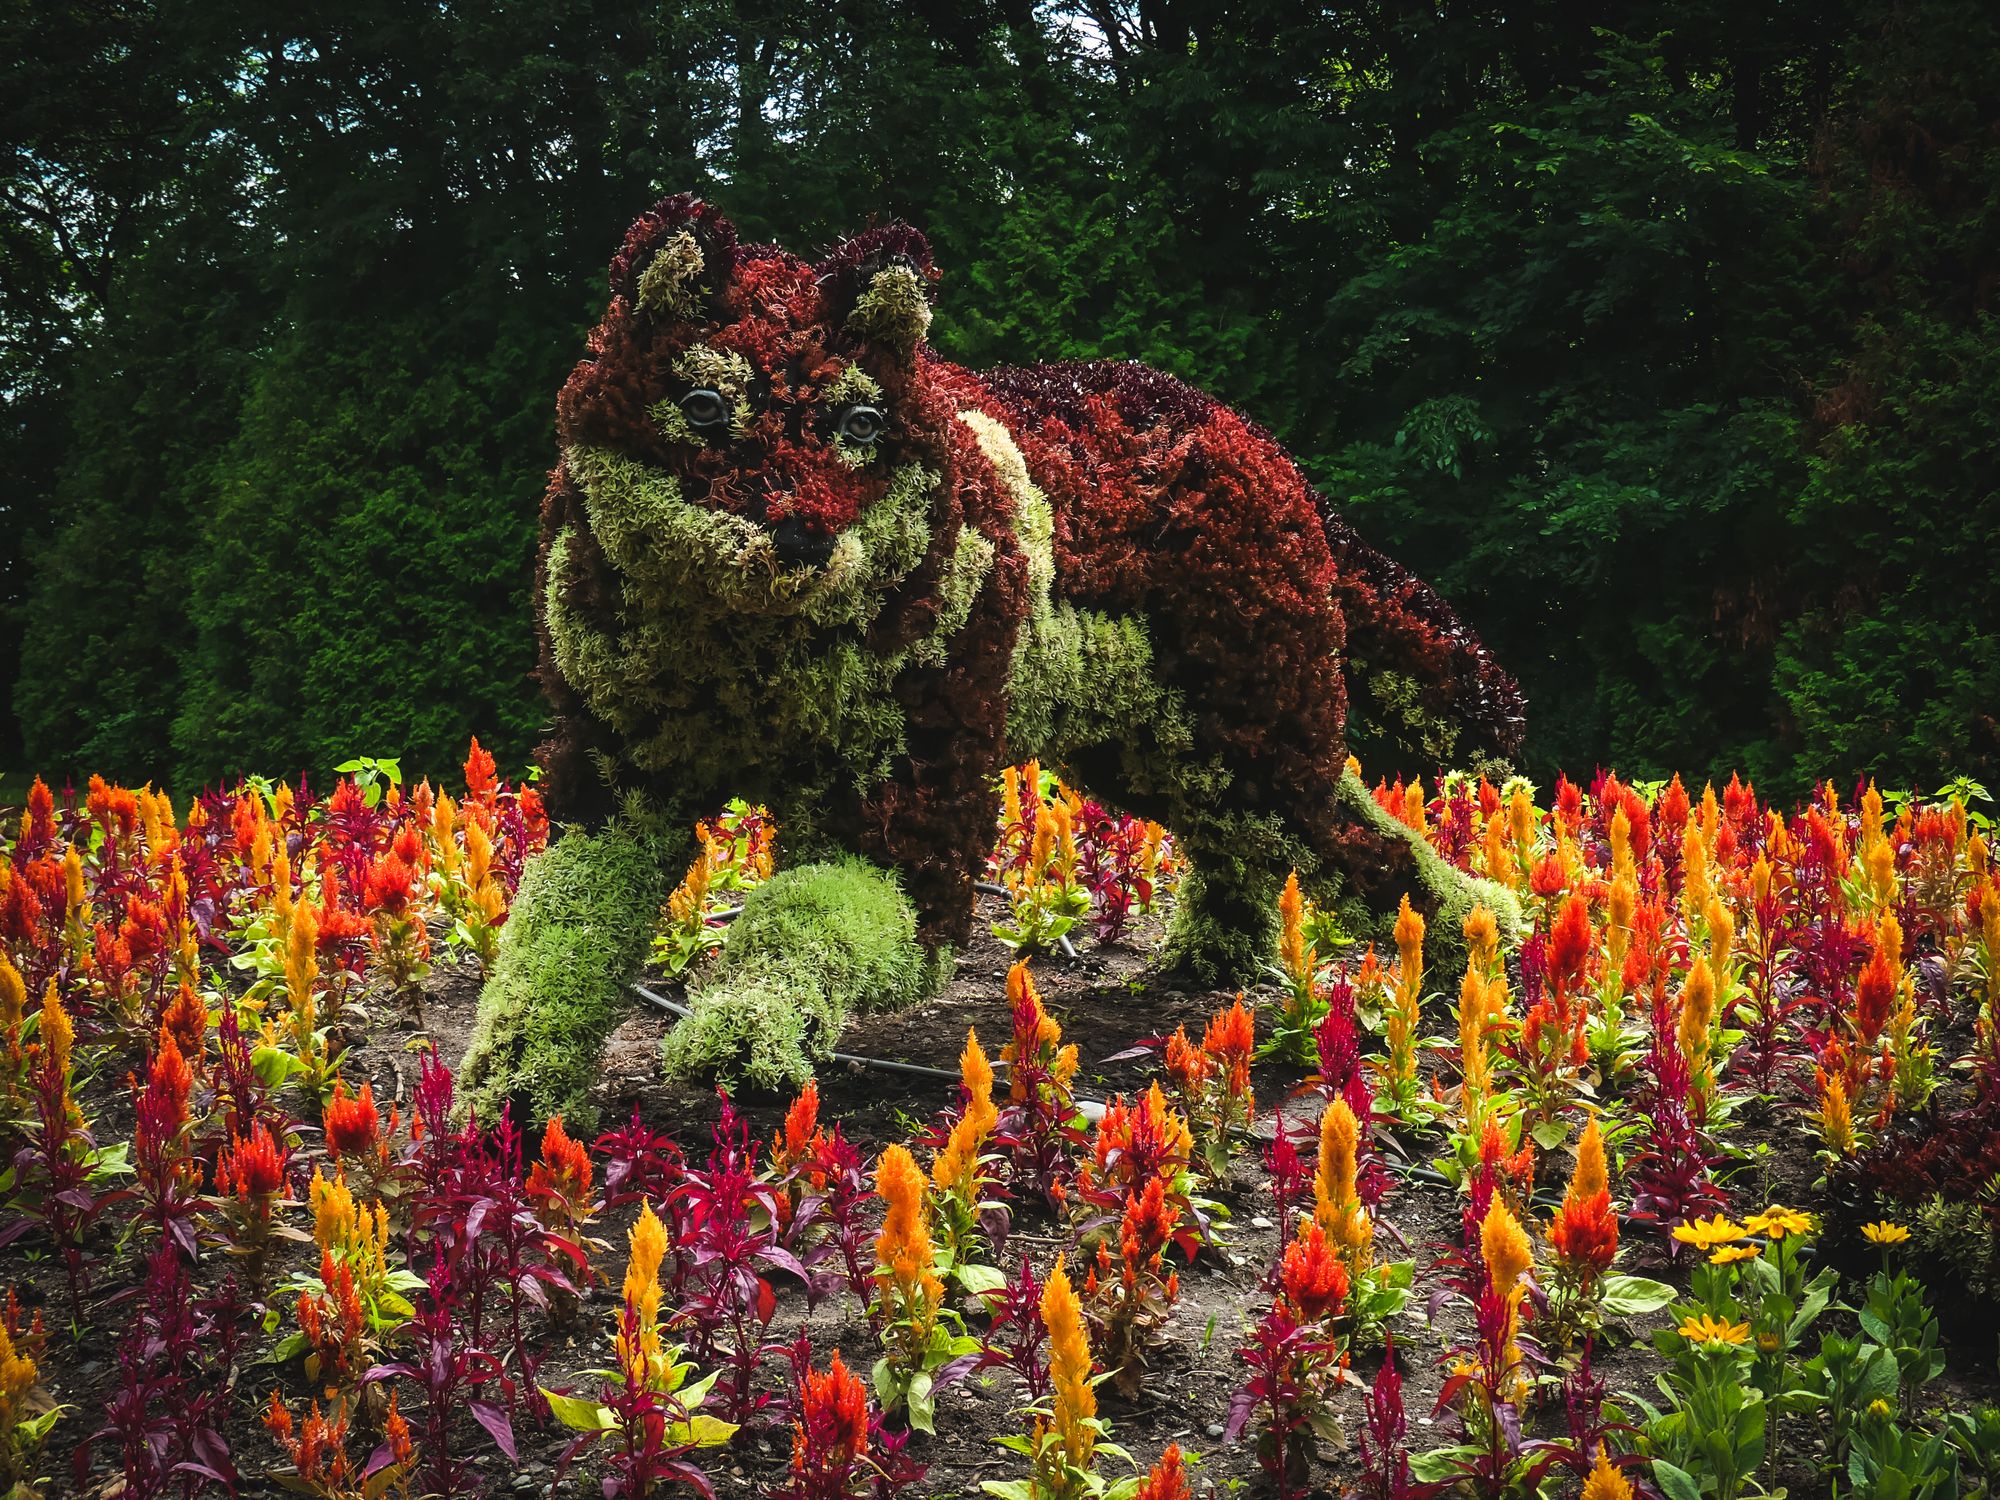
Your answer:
<point x="387" y="887"/>
<point x="830" y="1432"/>
<point x="560" y="1182"/>
<point x="41" y="814"/>
<point x="1168" y="1479"/>
<point x="252" y="1169"/>
<point x="1311" y="1276"/>
<point x="352" y="1125"/>
<point x="481" y="781"/>
<point x="1874" y="995"/>
<point x="1548" y="877"/>
<point x="1584" y="1233"/>
<point x="1187" y="1064"/>
<point x="1570" y="943"/>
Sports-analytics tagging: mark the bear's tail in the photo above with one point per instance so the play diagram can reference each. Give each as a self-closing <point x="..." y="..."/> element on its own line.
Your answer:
<point x="1422" y="690"/>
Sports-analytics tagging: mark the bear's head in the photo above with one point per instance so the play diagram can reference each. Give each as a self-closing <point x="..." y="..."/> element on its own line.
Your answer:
<point x="778" y="399"/>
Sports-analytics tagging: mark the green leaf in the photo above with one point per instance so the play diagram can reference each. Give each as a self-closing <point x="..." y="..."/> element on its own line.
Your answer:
<point x="1550" y="1134"/>
<point x="701" y="1430"/>
<point x="1676" y="1482"/>
<point x="978" y="1279"/>
<point x="1629" y="1296"/>
<point x="580" y="1415"/>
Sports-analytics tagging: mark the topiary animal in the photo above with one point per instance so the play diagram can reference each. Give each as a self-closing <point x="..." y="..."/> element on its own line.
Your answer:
<point x="790" y="553"/>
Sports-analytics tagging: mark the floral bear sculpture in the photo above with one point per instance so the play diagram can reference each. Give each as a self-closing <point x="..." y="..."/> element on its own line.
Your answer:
<point x="792" y="554"/>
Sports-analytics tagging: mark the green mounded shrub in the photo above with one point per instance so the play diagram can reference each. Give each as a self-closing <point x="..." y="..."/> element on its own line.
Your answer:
<point x="581" y="921"/>
<point x="813" y="945"/>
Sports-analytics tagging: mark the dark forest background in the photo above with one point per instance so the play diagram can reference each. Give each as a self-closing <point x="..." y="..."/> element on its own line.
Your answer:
<point x="1660" y="336"/>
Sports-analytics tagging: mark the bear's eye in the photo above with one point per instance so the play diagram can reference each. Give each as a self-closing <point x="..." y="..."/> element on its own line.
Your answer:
<point x="705" y="408"/>
<point x="861" y="424"/>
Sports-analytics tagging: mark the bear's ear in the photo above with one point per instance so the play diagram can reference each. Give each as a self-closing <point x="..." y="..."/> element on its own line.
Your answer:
<point x="676" y="257"/>
<point x="877" y="286"/>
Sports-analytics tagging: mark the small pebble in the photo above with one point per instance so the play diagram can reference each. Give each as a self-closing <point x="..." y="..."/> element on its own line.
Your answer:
<point x="1215" y="1429"/>
<point x="1260" y="1222"/>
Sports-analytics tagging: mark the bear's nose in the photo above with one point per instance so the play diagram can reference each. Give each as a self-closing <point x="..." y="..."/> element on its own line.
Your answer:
<point x="799" y="546"/>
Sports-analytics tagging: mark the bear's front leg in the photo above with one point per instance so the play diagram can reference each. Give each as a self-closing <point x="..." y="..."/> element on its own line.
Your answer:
<point x="812" y="945"/>
<point x="578" y="931"/>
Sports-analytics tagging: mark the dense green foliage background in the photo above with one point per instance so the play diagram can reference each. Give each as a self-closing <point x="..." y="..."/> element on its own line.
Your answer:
<point x="1659" y="335"/>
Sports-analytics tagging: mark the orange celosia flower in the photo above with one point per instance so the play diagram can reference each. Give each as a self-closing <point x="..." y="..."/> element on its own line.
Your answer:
<point x="58" y="1034"/>
<point x="1186" y="1064"/>
<point x="559" y="1184"/>
<point x="903" y="1253"/>
<point x="1075" y="1399"/>
<point x="1874" y="994"/>
<point x="957" y="1166"/>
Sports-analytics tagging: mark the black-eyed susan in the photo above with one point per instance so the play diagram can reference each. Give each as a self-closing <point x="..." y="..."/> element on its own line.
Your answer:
<point x="1706" y="1329"/>
<point x="1885" y="1233"/>
<point x="1706" y="1234"/>
<point x="1777" y="1222"/>
<point x="1728" y="1255"/>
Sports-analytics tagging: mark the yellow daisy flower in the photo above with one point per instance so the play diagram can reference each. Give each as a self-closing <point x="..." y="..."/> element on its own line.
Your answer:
<point x="1728" y="1255"/>
<point x="1885" y="1233"/>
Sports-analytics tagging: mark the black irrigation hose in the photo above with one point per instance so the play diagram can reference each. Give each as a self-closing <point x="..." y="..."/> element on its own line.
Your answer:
<point x="1091" y="1109"/>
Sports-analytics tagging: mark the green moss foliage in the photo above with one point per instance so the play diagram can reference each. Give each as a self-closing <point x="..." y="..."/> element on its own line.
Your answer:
<point x="813" y="945"/>
<point x="1449" y="893"/>
<point x="577" y="933"/>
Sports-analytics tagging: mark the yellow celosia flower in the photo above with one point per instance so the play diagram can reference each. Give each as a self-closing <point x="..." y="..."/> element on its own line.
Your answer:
<point x="1291" y="932"/>
<point x="1337" y="1203"/>
<point x="1721" y="940"/>
<point x="1885" y="1233"/>
<point x="1605" y="1482"/>
<point x="648" y="1242"/>
<point x="1622" y="867"/>
<point x="302" y="964"/>
<point x="1776" y="1222"/>
<point x="1521" y="818"/>
<point x="1482" y="938"/>
<point x="1704" y="1329"/>
<point x="1472" y="1037"/>
<point x="17" y="1378"/>
<point x="1707" y="1234"/>
<point x="1075" y="1399"/>
<point x="1836" y="1116"/>
<point x="1413" y="805"/>
<point x="13" y="1000"/>
<point x="58" y="1034"/>
<point x="1504" y="1244"/>
<point x="1590" y="1177"/>
<point x="333" y="1212"/>
<point x="1697" y="1015"/>
<point x="73" y="889"/>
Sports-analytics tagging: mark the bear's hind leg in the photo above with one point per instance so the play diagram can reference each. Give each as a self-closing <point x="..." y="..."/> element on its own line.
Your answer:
<point x="578" y="931"/>
<point x="1224" y="925"/>
<point x="813" y="944"/>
